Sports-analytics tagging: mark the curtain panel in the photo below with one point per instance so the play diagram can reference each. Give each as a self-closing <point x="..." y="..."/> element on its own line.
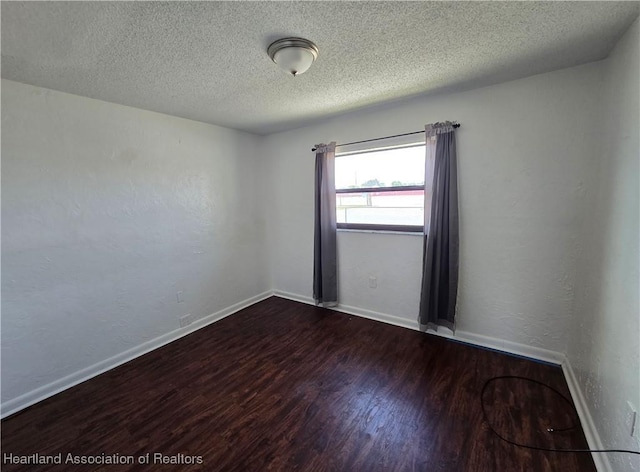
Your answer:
<point x="441" y="241"/>
<point x="325" y="277"/>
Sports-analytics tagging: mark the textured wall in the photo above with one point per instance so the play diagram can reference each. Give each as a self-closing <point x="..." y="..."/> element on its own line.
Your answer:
<point x="604" y="342"/>
<point x="391" y="260"/>
<point x="526" y="149"/>
<point x="107" y="212"/>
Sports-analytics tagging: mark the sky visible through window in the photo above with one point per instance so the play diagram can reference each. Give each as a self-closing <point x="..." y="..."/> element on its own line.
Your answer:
<point x="389" y="168"/>
<point x="399" y="167"/>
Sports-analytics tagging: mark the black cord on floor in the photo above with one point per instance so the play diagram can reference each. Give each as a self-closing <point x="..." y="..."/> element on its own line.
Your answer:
<point x="551" y="430"/>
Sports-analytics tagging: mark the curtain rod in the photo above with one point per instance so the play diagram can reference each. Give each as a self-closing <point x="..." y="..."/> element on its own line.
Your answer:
<point x="455" y="125"/>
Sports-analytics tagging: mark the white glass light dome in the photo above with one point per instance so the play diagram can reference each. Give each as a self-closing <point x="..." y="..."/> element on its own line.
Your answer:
<point x="294" y="55"/>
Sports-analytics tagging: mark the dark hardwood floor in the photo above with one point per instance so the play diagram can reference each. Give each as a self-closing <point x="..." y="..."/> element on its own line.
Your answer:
<point x="286" y="386"/>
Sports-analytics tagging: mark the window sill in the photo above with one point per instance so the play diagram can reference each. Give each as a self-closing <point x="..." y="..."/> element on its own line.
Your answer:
<point x="380" y="231"/>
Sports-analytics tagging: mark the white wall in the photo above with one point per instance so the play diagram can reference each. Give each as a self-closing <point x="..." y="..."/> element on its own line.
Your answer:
<point x="526" y="150"/>
<point x="107" y="212"/>
<point x="604" y="342"/>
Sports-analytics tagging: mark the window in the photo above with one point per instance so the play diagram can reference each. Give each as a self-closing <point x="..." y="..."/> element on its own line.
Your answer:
<point x="381" y="189"/>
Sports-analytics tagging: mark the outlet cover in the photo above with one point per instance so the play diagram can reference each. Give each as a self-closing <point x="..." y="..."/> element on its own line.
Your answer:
<point x="632" y="421"/>
<point x="185" y="320"/>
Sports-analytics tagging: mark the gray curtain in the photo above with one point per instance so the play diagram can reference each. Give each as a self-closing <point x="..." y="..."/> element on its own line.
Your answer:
<point x="440" y="259"/>
<point x="325" y="277"/>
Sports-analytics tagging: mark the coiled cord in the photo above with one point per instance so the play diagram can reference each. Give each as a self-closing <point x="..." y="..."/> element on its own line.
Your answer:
<point x="576" y="422"/>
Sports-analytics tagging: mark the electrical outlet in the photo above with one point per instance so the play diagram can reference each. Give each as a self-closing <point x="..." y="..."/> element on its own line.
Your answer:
<point x="185" y="320"/>
<point x="632" y="421"/>
<point x="373" y="282"/>
<point x="180" y="296"/>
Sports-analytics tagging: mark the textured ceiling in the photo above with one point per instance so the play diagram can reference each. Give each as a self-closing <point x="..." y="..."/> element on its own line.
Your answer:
<point x="207" y="60"/>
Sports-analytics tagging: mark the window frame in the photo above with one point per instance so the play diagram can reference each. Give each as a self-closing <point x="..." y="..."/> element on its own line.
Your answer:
<point x="379" y="226"/>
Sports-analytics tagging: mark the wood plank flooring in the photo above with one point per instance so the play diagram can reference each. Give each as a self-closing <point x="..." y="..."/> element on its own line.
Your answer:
<point x="285" y="386"/>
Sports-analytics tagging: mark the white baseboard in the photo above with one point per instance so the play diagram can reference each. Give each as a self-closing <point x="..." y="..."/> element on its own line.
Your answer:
<point x="462" y="336"/>
<point x="294" y="296"/>
<point x="23" y="401"/>
<point x="383" y="317"/>
<point x="350" y="310"/>
<point x="510" y="347"/>
<point x="588" y="426"/>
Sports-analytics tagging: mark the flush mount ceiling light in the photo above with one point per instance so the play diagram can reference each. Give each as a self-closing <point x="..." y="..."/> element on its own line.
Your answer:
<point x="295" y="55"/>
